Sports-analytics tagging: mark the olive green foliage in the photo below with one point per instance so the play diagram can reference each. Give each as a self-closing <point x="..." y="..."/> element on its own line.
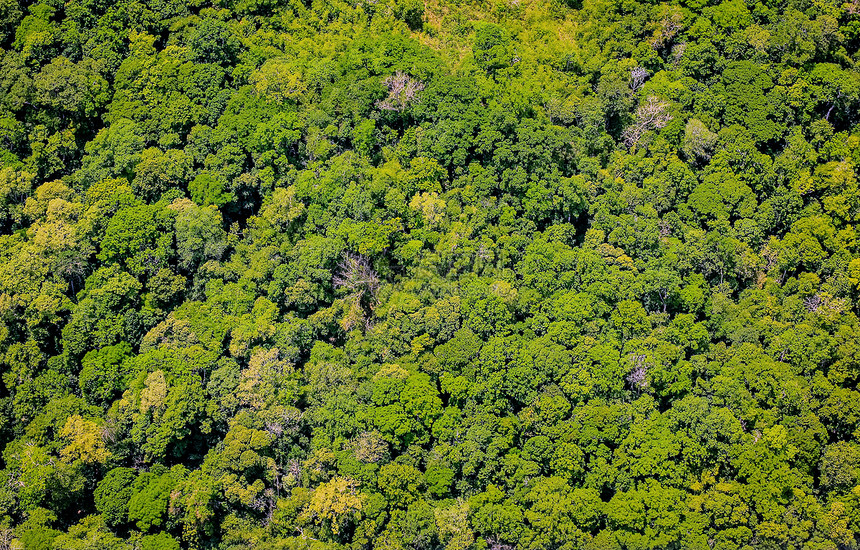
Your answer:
<point x="424" y="274"/>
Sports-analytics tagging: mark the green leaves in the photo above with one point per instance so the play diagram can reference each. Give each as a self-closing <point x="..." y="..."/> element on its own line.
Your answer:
<point x="395" y="274"/>
<point x="103" y="316"/>
<point x="74" y="87"/>
<point x="140" y="237"/>
<point x="491" y="47"/>
<point x="100" y="378"/>
<point x="113" y="493"/>
<point x="147" y="508"/>
<point x="748" y="101"/>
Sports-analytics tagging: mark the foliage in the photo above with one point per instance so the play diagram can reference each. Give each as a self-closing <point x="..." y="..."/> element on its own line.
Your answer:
<point x="429" y="274"/>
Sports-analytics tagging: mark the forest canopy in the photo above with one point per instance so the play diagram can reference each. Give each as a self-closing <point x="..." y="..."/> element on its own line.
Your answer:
<point x="425" y="274"/>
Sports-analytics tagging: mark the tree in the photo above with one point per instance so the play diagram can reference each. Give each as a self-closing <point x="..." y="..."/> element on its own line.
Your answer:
<point x="402" y="90"/>
<point x="333" y="503"/>
<point x="100" y="379"/>
<point x="102" y="316"/>
<point x="400" y="484"/>
<point x="77" y="88"/>
<point x="491" y="47"/>
<point x="140" y="238"/>
<point x="839" y="466"/>
<point x="112" y="495"/>
<point x="10" y="16"/>
<point x="279" y="81"/>
<point x="199" y="235"/>
<point x="747" y="101"/>
<point x="453" y="526"/>
<point x="148" y="507"/>
<point x="85" y="442"/>
<point x="652" y="115"/>
<point x="114" y="152"/>
<point x="699" y="141"/>
<point x="212" y="41"/>
<point x="90" y="534"/>
<point x="210" y="189"/>
<point x="160" y="171"/>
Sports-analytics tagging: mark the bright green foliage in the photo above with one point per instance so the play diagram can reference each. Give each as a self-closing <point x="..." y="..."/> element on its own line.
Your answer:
<point x="159" y="171"/>
<point x="413" y="274"/>
<point x="141" y="235"/>
<point x="90" y="533"/>
<point x="491" y="47"/>
<point x="148" y="506"/>
<point x="160" y="541"/>
<point x="199" y="235"/>
<point x="209" y="189"/>
<point x="113" y="493"/>
<point x="101" y="318"/>
<point x="100" y="377"/>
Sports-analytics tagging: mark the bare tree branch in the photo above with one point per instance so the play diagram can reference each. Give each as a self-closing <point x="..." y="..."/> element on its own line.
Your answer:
<point x="638" y="76"/>
<point x="651" y="115"/>
<point x="402" y="90"/>
<point x="356" y="276"/>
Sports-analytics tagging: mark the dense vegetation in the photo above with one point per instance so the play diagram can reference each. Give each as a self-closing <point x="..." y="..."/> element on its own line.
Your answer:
<point x="336" y="274"/>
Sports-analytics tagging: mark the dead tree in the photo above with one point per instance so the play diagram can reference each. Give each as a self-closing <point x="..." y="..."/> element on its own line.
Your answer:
<point x="359" y="281"/>
<point x="356" y="277"/>
<point x="638" y="76"/>
<point x="402" y="90"/>
<point x="651" y="115"/>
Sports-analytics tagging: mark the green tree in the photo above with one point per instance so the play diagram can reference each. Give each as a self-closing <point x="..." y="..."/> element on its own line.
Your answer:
<point x="113" y="493"/>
